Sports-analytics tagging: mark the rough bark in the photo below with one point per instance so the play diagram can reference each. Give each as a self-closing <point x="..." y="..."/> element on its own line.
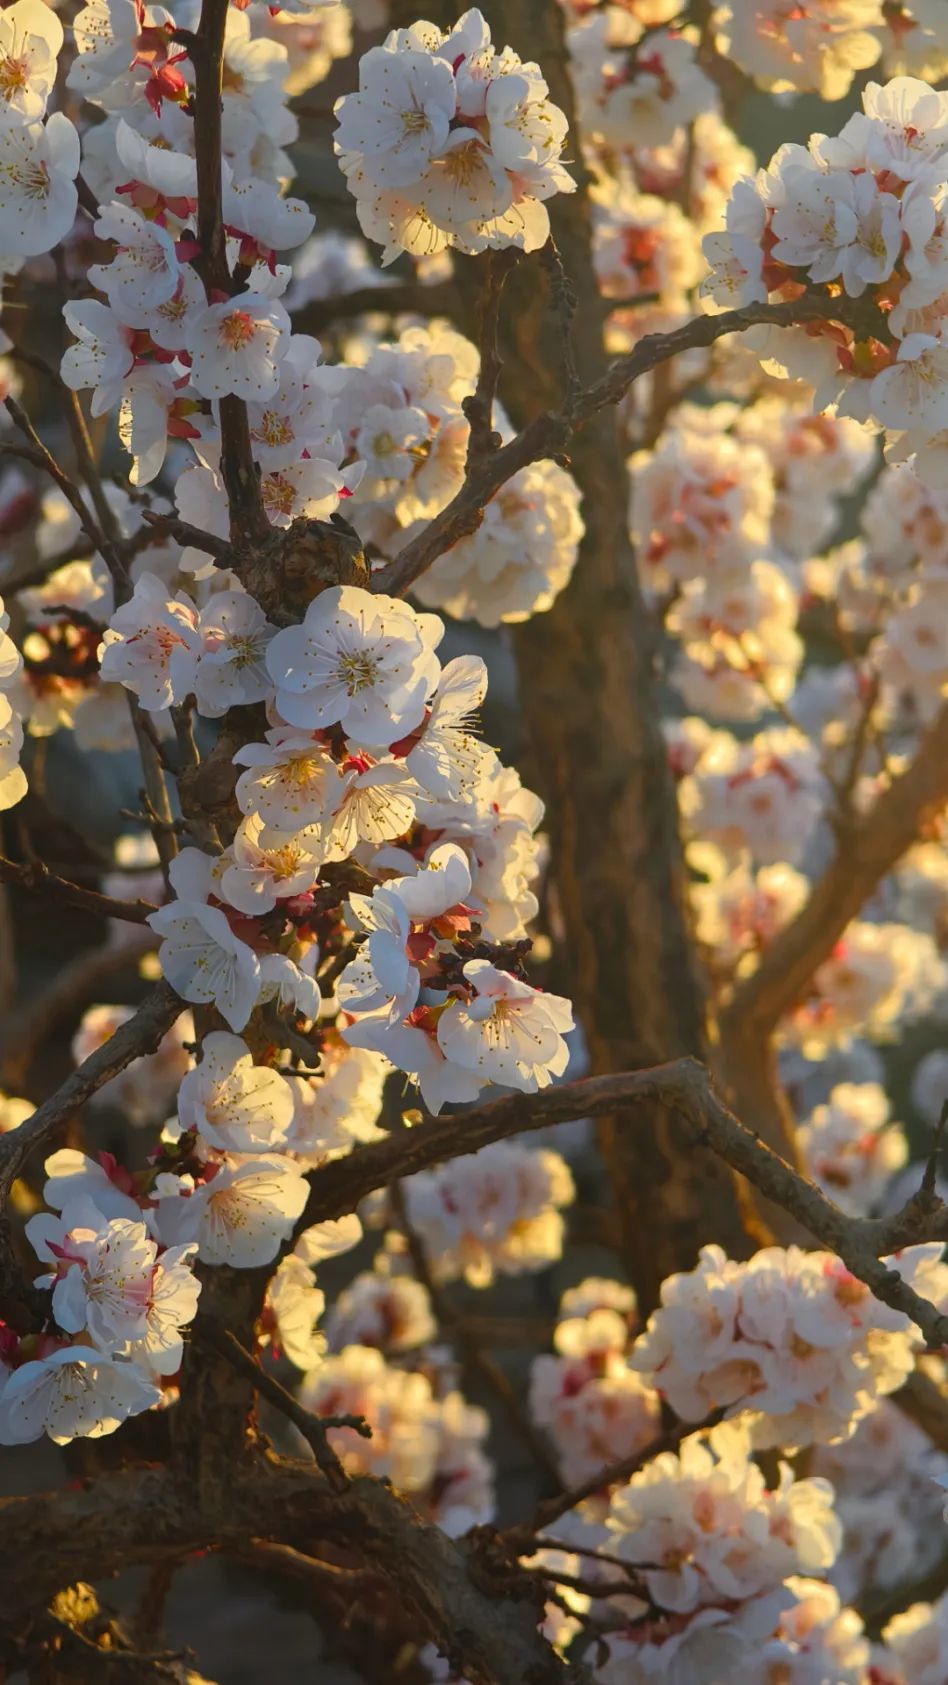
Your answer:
<point x="589" y="694"/>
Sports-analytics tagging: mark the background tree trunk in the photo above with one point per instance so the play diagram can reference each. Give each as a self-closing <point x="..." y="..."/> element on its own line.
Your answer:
<point x="589" y="695"/>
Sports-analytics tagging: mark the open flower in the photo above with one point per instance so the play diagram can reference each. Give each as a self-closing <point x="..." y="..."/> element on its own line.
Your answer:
<point x="38" y="168"/>
<point x="205" y="962"/>
<point x="237" y="346"/>
<point x="242" y="1215"/>
<point x="74" y="1393"/>
<point x="508" y="1032"/>
<point x="364" y="661"/>
<point x="235" y="1105"/>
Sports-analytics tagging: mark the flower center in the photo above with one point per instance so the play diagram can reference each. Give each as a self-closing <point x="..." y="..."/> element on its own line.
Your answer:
<point x="357" y="672"/>
<point x="237" y="330"/>
<point x="278" y="494"/>
<point x="13" y="76"/>
<point x="273" y="430"/>
<point x="243" y="650"/>
<point x="32" y="180"/>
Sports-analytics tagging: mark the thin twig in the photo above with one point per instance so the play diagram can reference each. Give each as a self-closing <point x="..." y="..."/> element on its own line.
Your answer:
<point x="36" y="878"/>
<point x="314" y="1429"/>
<point x="683" y="1088"/>
<point x="612" y="1474"/>
<point x="39" y="456"/>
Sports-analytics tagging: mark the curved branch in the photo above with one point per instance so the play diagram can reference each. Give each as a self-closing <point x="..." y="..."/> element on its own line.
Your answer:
<point x="867" y="850"/>
<point x="145" y="1515"/>
<point x="38" y="880"/>
<point x="683" y="1087"/>
<point x="142" y="1034"/>
<point x="548" y="435"/>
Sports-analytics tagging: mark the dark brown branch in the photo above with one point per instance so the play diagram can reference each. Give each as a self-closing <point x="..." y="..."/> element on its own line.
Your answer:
<point x="548" y="435"/>
<point x="313" y="1428"/>
<point x="163" y="525"/>
<point x="36" y="878"/>
<point x="145" y="1515"/>
<point x="206" y="50"/>
<point x="684" y="1088"/>
<point x="142" y="1034"/>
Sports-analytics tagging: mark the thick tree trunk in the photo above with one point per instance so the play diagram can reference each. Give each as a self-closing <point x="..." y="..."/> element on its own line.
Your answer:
<point x="588" y="691"/>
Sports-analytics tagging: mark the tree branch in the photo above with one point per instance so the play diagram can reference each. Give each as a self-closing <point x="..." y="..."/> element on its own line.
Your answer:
<point x="142" y="1034"/>
<point x="548" y="435"/>
<point x="38" y="880"/>
<point x="145" y="1515"/>
<point x="313" y="1428"/>
<point x="206" y="51"/>
<point x="868" y="848"/>
<point x="684" y="1088"/>
<point x="400" y="298"/>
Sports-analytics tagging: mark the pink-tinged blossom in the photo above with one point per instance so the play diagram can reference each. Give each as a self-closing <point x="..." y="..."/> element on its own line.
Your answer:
<point x="723" y="1546"/>
<point x="427" y="1446"/>
<point x="498" y="1211"/>
<point x="789" y="1336"/>
<point x="73" y="1176"/>
<point x="109" y="1284"/>
<point x="507" y="1032"/>
<point x="152" y="645"/>
<point x="392" y="1312"/>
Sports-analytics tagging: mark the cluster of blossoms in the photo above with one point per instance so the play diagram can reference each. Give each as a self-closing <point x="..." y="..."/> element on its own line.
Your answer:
<point x="365" y="888"/>
<point x="449" y="143"/>
<point x="822" y="44"/>
<point x="849" y="1147"/>
<point x="595" y="1408"/>
<point x="428" y="1442"/>
<point x="495" y="1213"/>
<point x="858" y="217"/>
<point x="720" y="1549"/>
<point x="120" y="1299"/>
<point x="790" y="1337"/>
<point x="887" y="1480"/>
<point x="365" y="750"/>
